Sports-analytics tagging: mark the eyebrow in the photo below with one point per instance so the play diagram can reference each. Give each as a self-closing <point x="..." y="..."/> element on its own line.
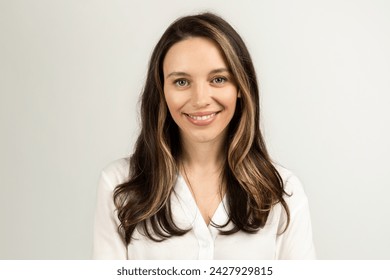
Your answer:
<point x="215" y="71"/>
<point x="178" y="74"/>
<point x="219" y="70"/>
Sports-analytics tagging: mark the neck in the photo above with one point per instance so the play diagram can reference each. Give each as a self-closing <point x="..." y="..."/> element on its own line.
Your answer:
<point x="203" y="156"/>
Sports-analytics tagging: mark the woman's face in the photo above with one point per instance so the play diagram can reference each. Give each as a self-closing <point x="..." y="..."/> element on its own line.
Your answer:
<point x="199" y="89"/>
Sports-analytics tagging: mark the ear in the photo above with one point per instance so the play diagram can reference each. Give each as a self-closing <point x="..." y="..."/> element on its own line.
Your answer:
<point x="239" y="94"/>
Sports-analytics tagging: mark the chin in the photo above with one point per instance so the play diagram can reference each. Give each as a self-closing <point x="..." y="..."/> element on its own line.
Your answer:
<point x="205" y="137"/>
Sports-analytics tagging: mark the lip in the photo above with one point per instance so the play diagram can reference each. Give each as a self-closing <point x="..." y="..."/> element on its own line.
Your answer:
<point x="201" y="118"/>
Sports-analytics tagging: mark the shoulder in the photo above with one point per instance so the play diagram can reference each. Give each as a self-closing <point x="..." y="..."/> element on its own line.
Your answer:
<point x="116" y="172"/>
<point x="295" y="193"/>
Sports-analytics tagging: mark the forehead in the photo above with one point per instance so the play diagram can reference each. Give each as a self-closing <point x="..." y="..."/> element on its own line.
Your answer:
<point x="195" y="54"/>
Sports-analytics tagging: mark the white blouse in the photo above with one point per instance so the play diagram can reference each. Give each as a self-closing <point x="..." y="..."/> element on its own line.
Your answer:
<point x="203" y="242"/>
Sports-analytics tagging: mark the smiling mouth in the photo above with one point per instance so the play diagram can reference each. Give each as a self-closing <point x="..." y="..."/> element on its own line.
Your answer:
<point x="201" y="118"/>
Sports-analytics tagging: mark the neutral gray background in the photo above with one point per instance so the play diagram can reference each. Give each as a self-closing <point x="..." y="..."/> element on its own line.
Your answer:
<point x="71" y="72"/>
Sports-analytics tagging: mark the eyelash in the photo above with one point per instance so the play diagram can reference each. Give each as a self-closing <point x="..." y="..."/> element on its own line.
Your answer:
<point x="176" y="82"/>
<point x="224" y="79"/>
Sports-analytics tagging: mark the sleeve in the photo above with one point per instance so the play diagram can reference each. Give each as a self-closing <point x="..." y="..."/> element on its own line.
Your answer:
<point x="296" y="243"/>
<point x="107" y="242"/>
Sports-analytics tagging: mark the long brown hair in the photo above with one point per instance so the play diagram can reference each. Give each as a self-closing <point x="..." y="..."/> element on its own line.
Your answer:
<point x="253" y="184"/>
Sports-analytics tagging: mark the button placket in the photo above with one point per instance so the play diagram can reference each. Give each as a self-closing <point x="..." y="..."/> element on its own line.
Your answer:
<point x="199" y="227"/>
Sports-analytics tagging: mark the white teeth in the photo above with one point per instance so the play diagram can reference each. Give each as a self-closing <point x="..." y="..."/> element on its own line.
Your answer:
<point x="201" y="118"/>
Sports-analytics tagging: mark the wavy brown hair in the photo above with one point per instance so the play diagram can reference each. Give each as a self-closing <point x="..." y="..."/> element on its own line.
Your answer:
<point x="253" y="184"/>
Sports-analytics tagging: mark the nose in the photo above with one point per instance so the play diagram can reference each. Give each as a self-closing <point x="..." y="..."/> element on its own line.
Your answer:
<point x="200" y="96"/>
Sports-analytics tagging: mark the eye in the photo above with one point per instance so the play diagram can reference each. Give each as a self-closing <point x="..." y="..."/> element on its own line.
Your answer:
<point x="181" y="82"/>
<point x="219" y="80"/>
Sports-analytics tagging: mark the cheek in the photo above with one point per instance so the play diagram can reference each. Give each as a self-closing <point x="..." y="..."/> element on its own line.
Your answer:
<point x="229" y="99"/>
<point x="173" y="102"/>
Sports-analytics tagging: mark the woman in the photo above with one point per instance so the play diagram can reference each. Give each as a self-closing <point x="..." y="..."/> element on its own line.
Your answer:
<point x="200" y="184"/>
